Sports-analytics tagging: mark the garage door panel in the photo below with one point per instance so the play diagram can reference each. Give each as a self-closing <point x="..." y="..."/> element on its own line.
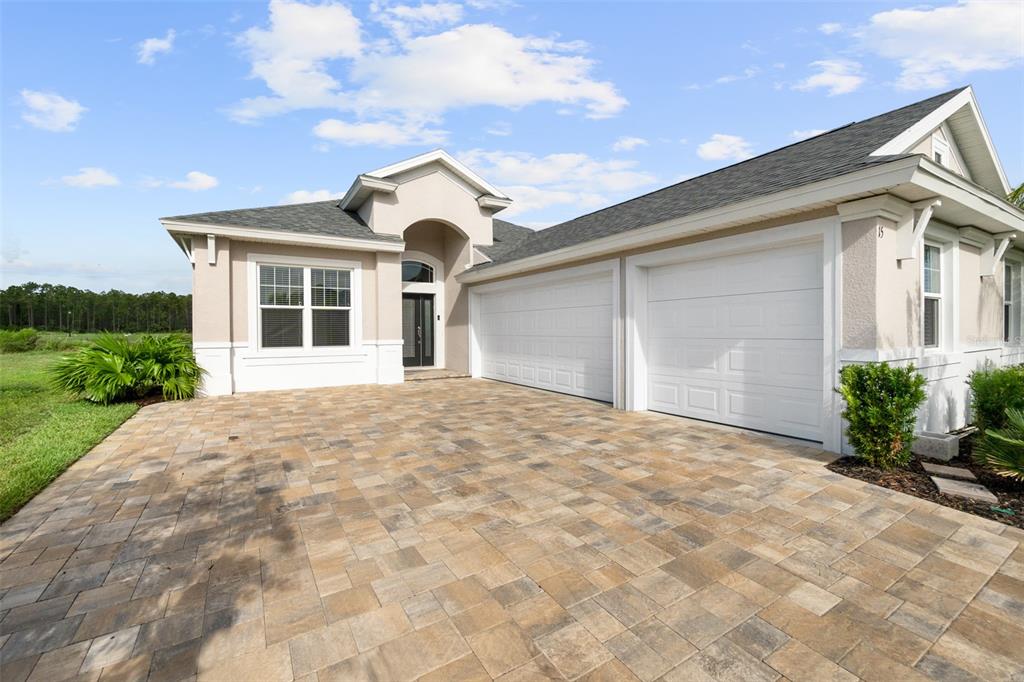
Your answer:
<point x="781" y="314"/>
<point x="791" y="411"/>
<point x="774" y="362"/>
<point x="556" y="336"/>
<point x="794" y="267"/>
<point x="739" y="340"/>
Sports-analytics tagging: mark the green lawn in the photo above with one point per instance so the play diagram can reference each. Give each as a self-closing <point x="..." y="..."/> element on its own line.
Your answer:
<point x="43" y="431"/>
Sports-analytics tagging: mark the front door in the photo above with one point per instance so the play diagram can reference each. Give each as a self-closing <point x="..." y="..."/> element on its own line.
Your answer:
<point x="417" y="330"/>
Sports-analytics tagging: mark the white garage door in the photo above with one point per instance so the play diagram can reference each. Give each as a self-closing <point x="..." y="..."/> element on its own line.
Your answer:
<point x="738" y="340"/>
<point x="556" y="335"/>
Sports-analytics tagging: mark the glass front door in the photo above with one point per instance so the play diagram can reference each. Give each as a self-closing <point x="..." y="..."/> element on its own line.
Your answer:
<point x="418" y="330"/>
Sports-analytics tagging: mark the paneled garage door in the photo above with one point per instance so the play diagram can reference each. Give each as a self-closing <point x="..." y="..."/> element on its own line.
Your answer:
<point x="738" y="340"/>
<point x="556" y="335"/>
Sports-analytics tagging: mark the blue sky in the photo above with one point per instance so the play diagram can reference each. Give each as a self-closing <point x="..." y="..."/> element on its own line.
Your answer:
<point x="115" y="114"/>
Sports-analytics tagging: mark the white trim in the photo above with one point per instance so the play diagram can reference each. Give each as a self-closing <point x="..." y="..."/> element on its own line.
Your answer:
<point x="254" y="234"/>
<point x="446" y="159"/>
<point x="437" y="289"/>
<point x="881" y="206"/>
<point x="362" y="187"/>
<point x="254" y="260"/>
<point x="913" y="135"/>
<point x="610" y="266"/>
<point x="491" y="202"/>
<point x="868" y="180"/>
<point x="185" y="244"/>
<point x="824" y="230"/>
<point x="211" y="249"/>
<point x="920" y="224"/>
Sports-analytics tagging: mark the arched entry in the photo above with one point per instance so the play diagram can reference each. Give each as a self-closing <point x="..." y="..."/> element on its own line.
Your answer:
<point x="423" y="308"/>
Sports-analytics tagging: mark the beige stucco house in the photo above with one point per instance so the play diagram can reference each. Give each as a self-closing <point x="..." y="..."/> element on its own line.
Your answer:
<point x="733" y="297"/>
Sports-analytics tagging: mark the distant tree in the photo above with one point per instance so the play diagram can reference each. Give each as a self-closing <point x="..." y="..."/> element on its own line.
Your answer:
<point x="57" y="307"/>
<point x="1016" y="197"/>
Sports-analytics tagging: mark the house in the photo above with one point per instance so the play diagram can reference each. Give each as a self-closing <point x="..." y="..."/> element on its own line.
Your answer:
<point x="733" y="297"/>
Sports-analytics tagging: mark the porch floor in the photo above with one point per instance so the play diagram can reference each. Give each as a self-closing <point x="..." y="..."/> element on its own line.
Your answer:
<point x="427" y="373"/>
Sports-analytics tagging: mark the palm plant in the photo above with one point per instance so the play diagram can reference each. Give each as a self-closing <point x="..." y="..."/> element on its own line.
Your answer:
<point x="114" y="368"/>
<point x="1003" y="449"/>
<point x="1016" y="197"/>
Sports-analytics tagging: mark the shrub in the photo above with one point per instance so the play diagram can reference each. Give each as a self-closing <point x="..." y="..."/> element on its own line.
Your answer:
<point x="881" y="410"/>
<point x="18" y="340"/>
<point x="993" y="391"/>
<point x="115" y="368"/>
<point x="1003" y="449"/>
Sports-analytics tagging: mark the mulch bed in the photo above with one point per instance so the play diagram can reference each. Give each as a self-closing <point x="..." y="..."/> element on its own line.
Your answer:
<point x="913" y="480"/>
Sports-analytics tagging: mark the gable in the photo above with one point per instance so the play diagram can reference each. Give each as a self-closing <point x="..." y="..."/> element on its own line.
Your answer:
<point x="957" y="124"/>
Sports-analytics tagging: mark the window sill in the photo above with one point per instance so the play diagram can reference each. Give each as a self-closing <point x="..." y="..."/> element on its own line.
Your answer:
<point x="304" y="353"/>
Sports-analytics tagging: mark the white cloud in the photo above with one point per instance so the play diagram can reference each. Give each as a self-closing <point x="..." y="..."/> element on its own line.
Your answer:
<point x="381" y="133"/>
<point x="723" y="147"/>
<point x="430" y="75"/>
<point x="935" y="45"/>
<point x="50" y="111"/>
<point x="91" y="176"/>
<point x="195" y="181"/>
<point x="418" y="78"/>
<point x="798" y="135"/>
<point x="838" y="76"/>
<point x="291" y="55"/>
<point x="830" y="27"/>
<point x="499" y="129"/>
<point x="747" y="74"/>
<point x="405" y="20"/>
<point x="151" y="47"/>
<point x="304" y="196"/>
<point x="628" y="144"/>
<point x="538" y="182"/>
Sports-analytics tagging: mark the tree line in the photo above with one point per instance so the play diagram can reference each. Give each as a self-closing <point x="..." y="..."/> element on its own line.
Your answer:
<point x="55" y="307"/>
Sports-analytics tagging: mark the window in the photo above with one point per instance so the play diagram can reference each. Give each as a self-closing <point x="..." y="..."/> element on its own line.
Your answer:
<point x="940" y="151"/>
<point x="281" y="298"/>
<point x="415" y="271"/>
<point x="304" y="306"/>
<point x="932" y="288"/>
<point x="1012" y="299"/>
<point x="331" y="293"/>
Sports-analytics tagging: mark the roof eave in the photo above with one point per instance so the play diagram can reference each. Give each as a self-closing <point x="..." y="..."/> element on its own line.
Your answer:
<point x="361" y="190"/>
<point x="256" y="234"/>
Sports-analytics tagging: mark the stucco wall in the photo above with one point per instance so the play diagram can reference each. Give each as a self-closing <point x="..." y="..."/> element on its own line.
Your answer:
<point x="860" y="256"/>
<point x="899" y="293"/>
<point x="429" y="193"/>
<point x="981" y="302"/>
<point x="211" y="292"/>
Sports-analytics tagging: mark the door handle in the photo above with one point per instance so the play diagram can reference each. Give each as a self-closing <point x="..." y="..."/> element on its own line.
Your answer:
<point x="419" y="333"/>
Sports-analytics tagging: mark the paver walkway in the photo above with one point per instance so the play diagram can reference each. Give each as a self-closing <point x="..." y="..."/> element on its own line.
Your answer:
<point x="463" y="529"/>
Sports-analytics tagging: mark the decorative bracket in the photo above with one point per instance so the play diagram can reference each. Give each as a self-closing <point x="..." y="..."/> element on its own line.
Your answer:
<point x="919" y="217"/>
<point x="211" y="249"/>
<point x="993" y="253"/>
<point x="185" y="243"/>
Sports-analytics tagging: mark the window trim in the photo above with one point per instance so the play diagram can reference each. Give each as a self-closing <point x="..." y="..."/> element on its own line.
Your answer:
<point x="428" y="266"/>
<point x="307" y="349"/>
<point x="936" y="296"/>
<point x="1015" y="259"/>
<point x="947" y="240"/>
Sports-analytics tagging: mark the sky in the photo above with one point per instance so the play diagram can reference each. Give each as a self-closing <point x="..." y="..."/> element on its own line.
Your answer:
<point x="117" y="113"/>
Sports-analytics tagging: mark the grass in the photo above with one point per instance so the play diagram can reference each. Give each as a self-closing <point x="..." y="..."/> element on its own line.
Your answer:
<point x="42" y="430"/>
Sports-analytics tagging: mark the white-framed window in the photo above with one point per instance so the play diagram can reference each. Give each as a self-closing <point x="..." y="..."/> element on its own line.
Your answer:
<point x="941" y="152"/>
<point x="1013" y="298"/>
<point x="931" y="286"/>
<point x="303" y="305"/>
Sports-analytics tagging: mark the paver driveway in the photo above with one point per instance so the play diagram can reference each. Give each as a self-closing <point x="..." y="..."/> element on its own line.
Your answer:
<point x="463" y="529"/>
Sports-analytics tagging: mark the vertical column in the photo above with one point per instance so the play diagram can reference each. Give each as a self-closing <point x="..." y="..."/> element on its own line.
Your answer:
<point x="211" y="312"/>
<point x="389" y="319"/>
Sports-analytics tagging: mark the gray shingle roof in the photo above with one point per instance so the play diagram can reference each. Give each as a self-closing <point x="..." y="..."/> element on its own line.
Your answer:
<point x="837" y="152"/>
<point x="507" y="236"/>
<point x="324" y="218"/>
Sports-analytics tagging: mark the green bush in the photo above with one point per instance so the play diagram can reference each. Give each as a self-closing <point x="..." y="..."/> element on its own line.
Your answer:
<point x="18" y="340"/>
<point x="1003" y="449"/>
<point x="115" y="368"/>
<point x="993" y="391"/>
<point x="881" y="410"/>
